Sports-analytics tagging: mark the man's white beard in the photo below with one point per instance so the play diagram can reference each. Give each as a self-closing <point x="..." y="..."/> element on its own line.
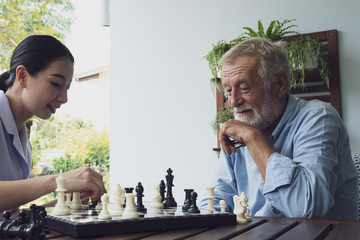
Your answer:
<point x="269" y="113"/>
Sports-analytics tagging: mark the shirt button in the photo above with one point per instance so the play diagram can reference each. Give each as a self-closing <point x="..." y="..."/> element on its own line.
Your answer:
<point x="275" y="211"/>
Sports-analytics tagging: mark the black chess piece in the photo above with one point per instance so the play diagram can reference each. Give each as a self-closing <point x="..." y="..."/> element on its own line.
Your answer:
<point x="169" y="201"/>
<point x="92" y="208"/>
<point x="162" y="190"/>
<point x="187" y="202"/>
<point x="193" y="207"/>
<point x="31" y="224"/>
<point x="139" y="195"/>
<point x="93" y="204"/>
<point x="129" y="189"/>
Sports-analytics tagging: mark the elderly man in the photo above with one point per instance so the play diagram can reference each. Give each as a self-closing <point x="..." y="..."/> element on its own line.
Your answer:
<point x="295" y="159"/>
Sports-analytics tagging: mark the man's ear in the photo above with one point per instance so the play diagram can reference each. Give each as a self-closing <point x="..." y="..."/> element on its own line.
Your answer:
<point x="282" y="82"/>
<point x="22" y="75"/>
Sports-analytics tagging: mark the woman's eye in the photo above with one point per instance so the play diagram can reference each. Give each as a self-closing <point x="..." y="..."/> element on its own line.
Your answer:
<point x="55" y="84"/>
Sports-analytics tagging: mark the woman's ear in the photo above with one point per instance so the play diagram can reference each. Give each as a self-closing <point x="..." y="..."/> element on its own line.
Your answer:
<point x="22" y="75"/>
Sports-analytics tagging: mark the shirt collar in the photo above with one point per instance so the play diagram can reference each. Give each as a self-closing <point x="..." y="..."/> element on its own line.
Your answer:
<point x="8" y="120"/>
<point x="291" y="104"/>
<point x="6" y="115"/>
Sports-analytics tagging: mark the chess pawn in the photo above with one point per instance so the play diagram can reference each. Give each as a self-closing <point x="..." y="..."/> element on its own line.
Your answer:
<point x="210" y="197"/>
<point x="76" y="202"/>
<point x="68" y="199"/>
<point x="104" y="214"/>
<point x="130" y="208"/>
<point x="193" y="207"/>
<point x="60" y="207"/>
<point x="187" y="201"/>
<point x="118" y="208"/>
<point x="222" y="204"/>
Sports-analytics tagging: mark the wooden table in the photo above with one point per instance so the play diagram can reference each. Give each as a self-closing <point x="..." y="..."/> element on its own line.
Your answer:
<point x="258" y="229"/>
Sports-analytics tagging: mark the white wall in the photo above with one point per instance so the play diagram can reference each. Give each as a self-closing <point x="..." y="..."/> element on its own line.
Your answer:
<point x="161" y="101"/>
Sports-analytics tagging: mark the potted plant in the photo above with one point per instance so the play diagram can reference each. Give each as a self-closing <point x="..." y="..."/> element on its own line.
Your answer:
<point x="222" y="116"/>
<point x="301" y="51"/>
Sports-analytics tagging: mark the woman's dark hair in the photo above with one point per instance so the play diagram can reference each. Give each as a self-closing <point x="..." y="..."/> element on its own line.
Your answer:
<point x="35" y="52"/>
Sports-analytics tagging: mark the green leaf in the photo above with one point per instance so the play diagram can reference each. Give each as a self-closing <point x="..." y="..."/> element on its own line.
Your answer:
<point x="260" y="29"/>
<point x="251" y="32"/>
<point x="270" y="29"/>
<point x="28" y="17"/>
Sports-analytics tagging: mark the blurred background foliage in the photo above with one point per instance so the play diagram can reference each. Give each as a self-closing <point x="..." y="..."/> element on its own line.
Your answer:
<point x="21" y="18"/>
<point x="78" y="142"/>
<point x="75" y="141"/>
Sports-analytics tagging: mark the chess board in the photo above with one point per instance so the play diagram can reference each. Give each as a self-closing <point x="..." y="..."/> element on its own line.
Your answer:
<point x="85" y="223"/>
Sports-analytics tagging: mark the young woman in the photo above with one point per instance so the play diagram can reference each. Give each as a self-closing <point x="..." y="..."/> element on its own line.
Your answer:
<point x="41" y="71"/>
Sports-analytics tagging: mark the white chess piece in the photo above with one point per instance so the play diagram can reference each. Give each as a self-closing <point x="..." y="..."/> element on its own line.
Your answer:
<point x="118" y="208"/>
<point x="130" y="208"/>
<point x="210" y="196"/>
<point x="60" y="207"/>
<point x="243" y="201"/>
<point x="104" y="214"/>
<point x="156" y="200"/>
<point x="156" y="204"/>
<point x="222" y="206"/>
<point x="123" y="196"/>
<point x="68" y="199"/>
<point x="239" y="210"/>
<point x="76" y="202"/>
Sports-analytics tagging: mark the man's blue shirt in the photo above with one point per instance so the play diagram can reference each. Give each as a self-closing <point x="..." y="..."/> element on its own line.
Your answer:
<point x="311" y="175"/>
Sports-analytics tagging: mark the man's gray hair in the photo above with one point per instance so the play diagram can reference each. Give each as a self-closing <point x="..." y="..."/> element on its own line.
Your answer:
<point x="272" y="54"/>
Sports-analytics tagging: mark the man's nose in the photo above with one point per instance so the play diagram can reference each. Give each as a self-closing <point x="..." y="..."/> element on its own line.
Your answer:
<point x="235" y="98"/>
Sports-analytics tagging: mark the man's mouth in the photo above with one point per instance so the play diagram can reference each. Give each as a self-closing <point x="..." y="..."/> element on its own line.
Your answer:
<point x="241" y="110"/>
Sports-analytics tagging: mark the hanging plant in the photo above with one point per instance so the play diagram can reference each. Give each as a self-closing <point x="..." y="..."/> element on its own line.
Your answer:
<point x="213" y="58"/>
<point x="305" y="53"/>
<point x="222" y="116"/>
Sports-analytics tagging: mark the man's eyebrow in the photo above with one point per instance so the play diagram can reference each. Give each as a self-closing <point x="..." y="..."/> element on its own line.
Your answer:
<point x="58" y="75"/>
